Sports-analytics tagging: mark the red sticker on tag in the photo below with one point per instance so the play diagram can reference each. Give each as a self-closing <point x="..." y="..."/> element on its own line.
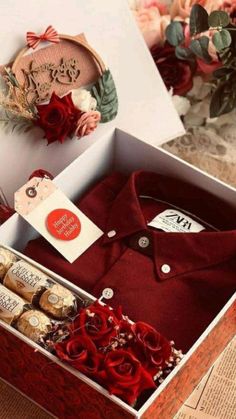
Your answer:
<point x="63" y="224"/>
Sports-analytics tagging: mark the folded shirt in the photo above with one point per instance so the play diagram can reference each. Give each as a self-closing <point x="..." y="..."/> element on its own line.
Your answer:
<point x="176" y="273"/>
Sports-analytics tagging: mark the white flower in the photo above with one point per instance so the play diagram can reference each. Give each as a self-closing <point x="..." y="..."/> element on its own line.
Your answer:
<point x="181" y="104"/>
<point x="83" y="100"/>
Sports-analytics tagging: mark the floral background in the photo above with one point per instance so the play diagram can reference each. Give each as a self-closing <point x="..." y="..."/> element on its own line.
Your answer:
<point x="209" y="143"/>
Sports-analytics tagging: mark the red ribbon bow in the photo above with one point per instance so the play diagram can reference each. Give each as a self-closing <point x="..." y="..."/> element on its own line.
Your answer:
<point x="50" y="35"/>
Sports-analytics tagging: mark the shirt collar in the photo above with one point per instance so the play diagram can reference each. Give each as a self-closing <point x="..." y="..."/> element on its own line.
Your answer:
<point x="183" y="252"/>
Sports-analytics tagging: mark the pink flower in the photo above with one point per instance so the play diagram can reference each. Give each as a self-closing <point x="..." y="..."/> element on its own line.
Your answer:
<point x="229" y="6"/>
<point x="152" y="24"/>
<point x="87" y="123"/>
<point x="180" y="9"/>
<point x="154" y="3"/>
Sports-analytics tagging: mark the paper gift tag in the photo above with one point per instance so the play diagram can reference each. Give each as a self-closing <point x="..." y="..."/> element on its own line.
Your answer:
<point x="56" y="218"/>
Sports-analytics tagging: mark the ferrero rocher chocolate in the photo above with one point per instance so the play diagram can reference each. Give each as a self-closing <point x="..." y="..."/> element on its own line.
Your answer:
<point x="11" y="305"/>
<point x="58" y="301"/>
<point x="34" y="324"/>
<point x="7" y="258"/>
<point x="25" y="280"/>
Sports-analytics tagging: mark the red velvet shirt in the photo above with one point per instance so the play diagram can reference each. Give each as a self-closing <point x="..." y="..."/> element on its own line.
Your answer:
<point x="176" y="281"/>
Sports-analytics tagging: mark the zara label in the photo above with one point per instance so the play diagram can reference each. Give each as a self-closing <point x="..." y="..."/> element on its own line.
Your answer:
<point x="56" y="218"/>
<point x="174" y="221"/>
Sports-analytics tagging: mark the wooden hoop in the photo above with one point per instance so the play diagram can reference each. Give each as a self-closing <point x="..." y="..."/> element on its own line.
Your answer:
<point x="98" y="61"/>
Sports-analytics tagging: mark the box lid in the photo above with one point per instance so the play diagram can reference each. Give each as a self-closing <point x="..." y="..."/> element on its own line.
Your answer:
<point x="145" y="108"/>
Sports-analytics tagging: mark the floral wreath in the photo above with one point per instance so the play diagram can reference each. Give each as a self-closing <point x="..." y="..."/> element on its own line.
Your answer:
<point x="76" y="113"/>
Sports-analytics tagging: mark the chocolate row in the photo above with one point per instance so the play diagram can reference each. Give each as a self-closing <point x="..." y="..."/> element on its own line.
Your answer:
<point x="26" y="287"/>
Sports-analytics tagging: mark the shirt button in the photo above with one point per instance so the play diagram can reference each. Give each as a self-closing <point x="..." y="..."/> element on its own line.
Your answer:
<point x="165" y="269"/>
<point x="143" y="242"/>
<point x="111" y="234"/>
<point x="107" y="293"/>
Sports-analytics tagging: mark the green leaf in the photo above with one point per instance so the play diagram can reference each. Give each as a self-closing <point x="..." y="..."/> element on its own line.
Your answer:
<point x="221" y="40"/>
<point x="222" y="72"/>
<point x="218" y="19"/>
<point x="223" y="99"/>
<point x="227" y="56"/>
<point x="175" y="33"/>
<point x="198" y="20"/>
<point x="200" y="48"/>
<point x="104" y="91"/>
<point x="184" y="53"/>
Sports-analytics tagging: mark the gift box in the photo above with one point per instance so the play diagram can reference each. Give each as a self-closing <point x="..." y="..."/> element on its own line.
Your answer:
<point x="69" y="390"/>
<point x="146" y="118"/>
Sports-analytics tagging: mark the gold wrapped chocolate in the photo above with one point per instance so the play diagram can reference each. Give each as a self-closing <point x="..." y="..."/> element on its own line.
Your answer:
<point x="58" y="302"/>
<point x="11" y="305"/>
<point x="7" y="258"/>
<point x="25" y="280"/>
<point x="34" y="324"/>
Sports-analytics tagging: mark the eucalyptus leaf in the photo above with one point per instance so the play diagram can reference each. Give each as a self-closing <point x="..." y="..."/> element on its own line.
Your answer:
<point x="198" y="20"/>
<point x="183" y="53"/>
<point x="221" y="40"/>
<point x="175" y="33"/>
<point x="104" y="91"/>
<point x="218" y="19"/>
<point x="200" y="48"/>
<point x="223" y="99"/>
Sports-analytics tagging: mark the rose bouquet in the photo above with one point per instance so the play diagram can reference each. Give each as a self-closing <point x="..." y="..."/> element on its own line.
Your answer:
<point x="193" y="46"/>
<point x="124" y="357"/>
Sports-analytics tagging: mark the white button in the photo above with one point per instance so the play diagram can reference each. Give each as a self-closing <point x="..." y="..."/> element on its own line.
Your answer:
<point x="107" y="293"/>
<point x="111" y="234"/>
<point x="165" y="268"/>
<point x="143" y="242"/>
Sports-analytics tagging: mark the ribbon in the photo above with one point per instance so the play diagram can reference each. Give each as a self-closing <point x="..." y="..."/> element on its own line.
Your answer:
<point x="50" y="35"/>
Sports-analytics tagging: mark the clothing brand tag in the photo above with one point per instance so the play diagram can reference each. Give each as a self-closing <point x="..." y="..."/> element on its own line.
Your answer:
<point x="174" y="221"/>
<point x="56" y="218"/>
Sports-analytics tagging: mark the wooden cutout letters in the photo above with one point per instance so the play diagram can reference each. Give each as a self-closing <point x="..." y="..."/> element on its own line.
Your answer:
<point x="67" y="73"/>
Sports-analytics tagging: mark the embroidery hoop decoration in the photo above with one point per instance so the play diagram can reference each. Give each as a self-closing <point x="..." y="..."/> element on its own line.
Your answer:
<point x="97" y="59"/>
<point x="48" y="78"/>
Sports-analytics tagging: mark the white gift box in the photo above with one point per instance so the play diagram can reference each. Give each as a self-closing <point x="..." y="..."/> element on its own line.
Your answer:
<point x="120" y="151"/>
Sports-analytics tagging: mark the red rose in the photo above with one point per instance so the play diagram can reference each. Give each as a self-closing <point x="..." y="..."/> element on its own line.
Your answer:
<point x="151" y="348"/>
<point x="97" y="322"/>
<point x="81" y="353"/>
<point x="123" y="375"/>
<point x="58" y="118"/>
<point x="176" y="74"/>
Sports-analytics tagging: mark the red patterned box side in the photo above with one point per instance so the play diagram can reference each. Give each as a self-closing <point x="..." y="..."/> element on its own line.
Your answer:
<point x="182" y="385"/>
<point x="48" y="384"/>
